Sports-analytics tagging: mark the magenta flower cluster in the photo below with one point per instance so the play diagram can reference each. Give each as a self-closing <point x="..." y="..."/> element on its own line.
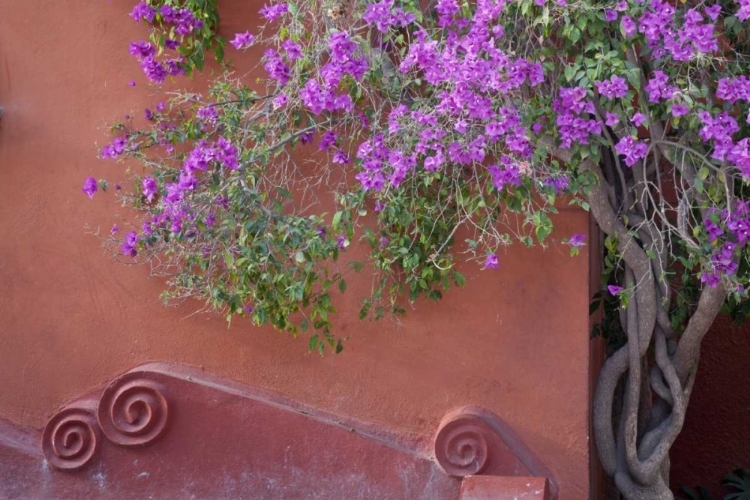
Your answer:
<point x="666" y="38"/>
<point x="345" y="59"/>
<point x="732" y="230"/>
<point x="574" y="111"/>
<point x="182" y="21"/>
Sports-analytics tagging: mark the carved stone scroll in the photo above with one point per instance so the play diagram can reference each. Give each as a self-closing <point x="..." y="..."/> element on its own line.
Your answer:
<point x="71" y="438"/>
<point x="133" y="410"/>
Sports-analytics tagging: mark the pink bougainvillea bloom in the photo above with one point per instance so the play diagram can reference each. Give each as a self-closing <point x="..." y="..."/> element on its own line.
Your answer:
<point x="628" y="26"/>
<point x="713" y="11"/>
<point x="491" y="262"/>
<point x="243" y="40"/>
<point x="679" y="110"/>
<point x="129" y="244"/>
<point x="90" y="187"/>
<point x="150" y="188"/>
<point x="614" y="289"/>
<point x="577" y="240"/>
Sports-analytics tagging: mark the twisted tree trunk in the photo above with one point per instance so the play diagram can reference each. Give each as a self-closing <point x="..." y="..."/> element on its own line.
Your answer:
<point x="656" y="368"/>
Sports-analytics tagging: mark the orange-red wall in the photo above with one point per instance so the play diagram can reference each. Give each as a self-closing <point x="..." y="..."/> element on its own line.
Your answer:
<point x="515" y="341"/>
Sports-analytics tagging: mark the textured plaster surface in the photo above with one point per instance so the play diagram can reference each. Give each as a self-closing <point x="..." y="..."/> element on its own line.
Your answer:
<point x="514" y="341"/>
<point x="504" y="488"/>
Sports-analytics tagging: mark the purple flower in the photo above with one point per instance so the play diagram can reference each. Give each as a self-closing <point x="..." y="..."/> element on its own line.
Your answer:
<point x="631" y="149"/>
<point x="321" y="231"/>
<point x="614" y="289"/>
<point x="208" y="114"/>
<point x="129" y="244"/>
<point x="491" y="262"/>
<point x="171" y="44"/>
<point x="280" y="101"/>
<point x="612" y="119"/>
<point x="227" y="154"/>
<point x="328" y="140"/>
<point x="175" y="67"/>
<point x="142" y="49"/>
<point x="559" y="184"/>
<point x="658" y="89"/>
<point x="710" y="279"/>
<point x="148" y="114"/>
<point x="573" y="127"/>
<point x="210" y="219"/>
<point x="243" y="40"/>
<point x="614" y="87"/>
<point x="610" y="15"/>
<point x="744" y="11"/>
<point x="713" y="11"/>
<point x="273" y="12"/>
<point x="275" y="67"/>
<point x="90" y="187"/>
<point x="713" y="230"/>
<point x="340" y="157"/>
<point x="638" y="119"/>
<point x="131" y="83"/>
<point x="153" y="70"/>
<point x="628" y="26"/>
<point x="306" y="138"/>
<point x="384" y="241"/>
<point x="379" y="14"/>
<point x="734" y="89"/>
<point x="150" y="188"/>
<point x="114" y="229"/>
<point x="293" y="50"/>
<point x="341" y="242"/>
<point x="577" y="240"/>
<point x="679" y="110"/>
<point x="143" y="11"/>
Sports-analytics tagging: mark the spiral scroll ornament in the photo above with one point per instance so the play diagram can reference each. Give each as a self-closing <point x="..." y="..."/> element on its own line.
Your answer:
<point x="70" y="438"/>
<point x="133" y="410"/>
<point x="461" y="447"/>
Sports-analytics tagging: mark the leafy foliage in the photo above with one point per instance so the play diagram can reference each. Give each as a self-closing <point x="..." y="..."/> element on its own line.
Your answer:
<point x="738" y="482"/>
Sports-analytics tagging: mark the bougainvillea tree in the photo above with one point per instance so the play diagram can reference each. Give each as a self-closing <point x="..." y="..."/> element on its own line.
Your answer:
<point x="444" y="130"/>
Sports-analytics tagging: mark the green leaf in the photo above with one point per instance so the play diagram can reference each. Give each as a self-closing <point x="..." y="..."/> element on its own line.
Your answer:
<point x="284" y="192"/>
<point x="738" y="481"/>
<point x="336" y="223"/>
<point x="459" y="279"/>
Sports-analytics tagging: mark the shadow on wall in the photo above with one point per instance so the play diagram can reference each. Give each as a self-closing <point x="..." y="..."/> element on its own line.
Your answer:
<point x="716" y="437"/>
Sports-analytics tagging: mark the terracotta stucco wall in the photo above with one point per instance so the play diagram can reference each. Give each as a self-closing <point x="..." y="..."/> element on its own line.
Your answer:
<point x="514" y="341"/>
